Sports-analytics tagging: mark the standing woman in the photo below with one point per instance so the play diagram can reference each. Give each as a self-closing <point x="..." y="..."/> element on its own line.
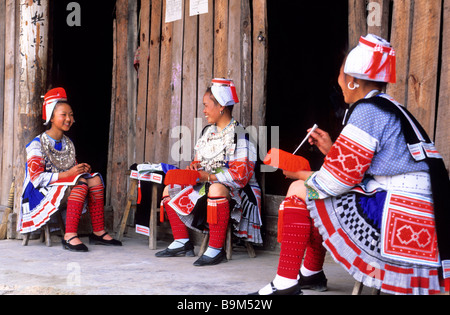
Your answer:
<point x="226" y="186"/>
<point x="54" y="177"/>
<point x="380" y="200"/>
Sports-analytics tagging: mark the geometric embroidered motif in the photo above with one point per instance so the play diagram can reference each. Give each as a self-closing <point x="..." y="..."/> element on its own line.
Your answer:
<point x="408" y="231"/>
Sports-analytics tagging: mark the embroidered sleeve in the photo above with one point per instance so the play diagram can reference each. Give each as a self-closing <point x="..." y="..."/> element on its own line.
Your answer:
<point x="36" y="166"/>
<point x="345" y="165"/>
<point x="241" y="165"/>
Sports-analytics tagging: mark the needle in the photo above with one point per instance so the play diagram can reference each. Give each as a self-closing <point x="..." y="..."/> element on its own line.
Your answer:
<point x="307" y="136"/>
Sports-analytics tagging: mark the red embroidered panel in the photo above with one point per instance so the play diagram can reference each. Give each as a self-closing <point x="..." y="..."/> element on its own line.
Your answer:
<point x="409" y="230"/>
<point x="35" y="167"/>
<point x="348" y="160"/>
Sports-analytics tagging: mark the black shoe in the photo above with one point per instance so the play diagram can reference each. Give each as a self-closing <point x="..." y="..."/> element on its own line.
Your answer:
<point x="74" y="248"/>
<point x="186" y="250"/>
<point x="295" y="290"/>
<point x="317" y="282"/>
<point x="210" y="261"/>
<point x="99" y="240"/>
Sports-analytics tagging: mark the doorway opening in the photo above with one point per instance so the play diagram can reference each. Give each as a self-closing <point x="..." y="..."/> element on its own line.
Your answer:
<point x="82" y="64"/>
<point x="307" y="44"/>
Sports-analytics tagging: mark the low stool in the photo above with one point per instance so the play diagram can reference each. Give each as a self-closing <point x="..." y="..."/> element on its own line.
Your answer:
<point x="358" y="287"/>
<point x="45" y="232"/>
<point x="228" y="245"/>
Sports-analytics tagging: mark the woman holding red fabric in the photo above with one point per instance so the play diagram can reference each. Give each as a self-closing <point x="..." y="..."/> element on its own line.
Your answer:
<point x="226" y="187"/>
<point x="380" y="200"/>
<point x="53" y="176"/>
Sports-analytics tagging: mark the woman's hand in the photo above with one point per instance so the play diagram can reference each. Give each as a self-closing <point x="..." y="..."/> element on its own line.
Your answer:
<point x="194" y="166"/>
<point x="76" y="170"/>
<point x="321" y="140"/>
<point x="302" y="175"/>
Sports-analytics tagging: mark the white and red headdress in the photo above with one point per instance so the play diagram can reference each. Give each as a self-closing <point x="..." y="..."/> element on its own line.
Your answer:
<point x="50" y="100"/>
<point x="373" y="59"/>
<point x="224" y="91"/>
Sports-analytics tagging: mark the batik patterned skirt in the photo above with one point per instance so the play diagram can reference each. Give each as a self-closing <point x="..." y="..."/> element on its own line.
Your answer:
<point x="245" y="210"/>
<point x="384" y="239"/>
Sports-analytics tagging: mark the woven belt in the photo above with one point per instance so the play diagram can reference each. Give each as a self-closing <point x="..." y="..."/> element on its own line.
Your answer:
<point x="416" y="182"/>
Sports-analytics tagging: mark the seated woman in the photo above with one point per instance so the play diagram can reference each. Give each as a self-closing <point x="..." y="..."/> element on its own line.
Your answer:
<point x="227" y="187"/>
<point x="380" y="200"/>
<point x="53" y="177"/>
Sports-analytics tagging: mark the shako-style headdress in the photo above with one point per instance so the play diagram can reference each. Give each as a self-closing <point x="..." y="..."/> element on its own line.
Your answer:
<point x="50" y="100"/>
<point x="373" y="59"/>
<point x="224" y="91"/>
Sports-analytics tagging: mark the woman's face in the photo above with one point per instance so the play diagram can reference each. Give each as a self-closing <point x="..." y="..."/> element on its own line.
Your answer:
<point x="62" y="117"/>
<point x="211" y="110"/>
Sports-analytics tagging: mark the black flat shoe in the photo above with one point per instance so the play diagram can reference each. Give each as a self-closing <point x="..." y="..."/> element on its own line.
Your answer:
<point x="295" y="290"/>
<point x="99" y="240"/>
<point x="210" y="261"/>
<point x="317" y="282"/>
<point x="74" y="248"/>
<point x="186" y="250"/>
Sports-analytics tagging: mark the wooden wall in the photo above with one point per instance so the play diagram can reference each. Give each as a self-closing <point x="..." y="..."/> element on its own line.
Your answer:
<point x="419" y="31"/>
<point x="177" y="62"/>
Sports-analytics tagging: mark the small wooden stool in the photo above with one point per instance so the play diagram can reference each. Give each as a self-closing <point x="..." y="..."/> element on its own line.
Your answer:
<point x="132" y="197"/>
<point x="358" y="287"/>
<point x="45" y="232"/>
<point x="228" y="245"/>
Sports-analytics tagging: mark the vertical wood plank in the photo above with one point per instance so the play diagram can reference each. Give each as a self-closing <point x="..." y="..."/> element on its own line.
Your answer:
<point x="422" y="83"/>
<point x="153" y="79"/>
<point x="246" y="71"/>
<point x="119" y="149"/>
<point x="401" y="40"/>
<point x="135" y="144"/>
<point x="443" y="114"/>
<point x="189" y="107"/>
<point x="141" y="113"/>
<point x="220" y="38"/>
<point x="164" y="92"/>
<point x="9" y="99"/>
<point x="109" y="178"/>
<point x="234" y="51"/>
<point x="260" y="50"/>
<point x="2" y="74"/>
<point x="205" y="61"/>
<point x="176" y="87"/>
<point x="381" y="29"/>
<point x="357" y="20"/>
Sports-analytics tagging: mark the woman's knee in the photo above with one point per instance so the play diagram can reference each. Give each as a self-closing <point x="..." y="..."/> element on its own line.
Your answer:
<point x="297" y="188"/>
<point x="218" y="190"/>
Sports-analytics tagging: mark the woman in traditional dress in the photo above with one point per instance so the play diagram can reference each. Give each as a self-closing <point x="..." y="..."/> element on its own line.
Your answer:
<point x="380" y="200"/>
<point x="227" y="187"/>
<point x="53" y="177"/>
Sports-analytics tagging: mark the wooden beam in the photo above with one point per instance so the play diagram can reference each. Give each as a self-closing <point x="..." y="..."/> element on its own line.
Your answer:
<point x="401" y="34"/>
<point x="9" y="100"/>
<point x="2" y="76"/>
<point x="260" y="57"/>
<point x="164" y="92"/>
<point x="175" y="89"/>
<point x="234" y="51"/>
<point x="189" y="89"/>
<point x="424" y="58"/>
<point x="141" y="111"/>
<point x="221" y="38"/>
<point x="443" y="114"/>
<point x="246" y="66"/>
<point x="357" y="21"/>
<point x="205" y="60"/>
<point x="153" y="80"/>
<point x="119" y="163"/>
